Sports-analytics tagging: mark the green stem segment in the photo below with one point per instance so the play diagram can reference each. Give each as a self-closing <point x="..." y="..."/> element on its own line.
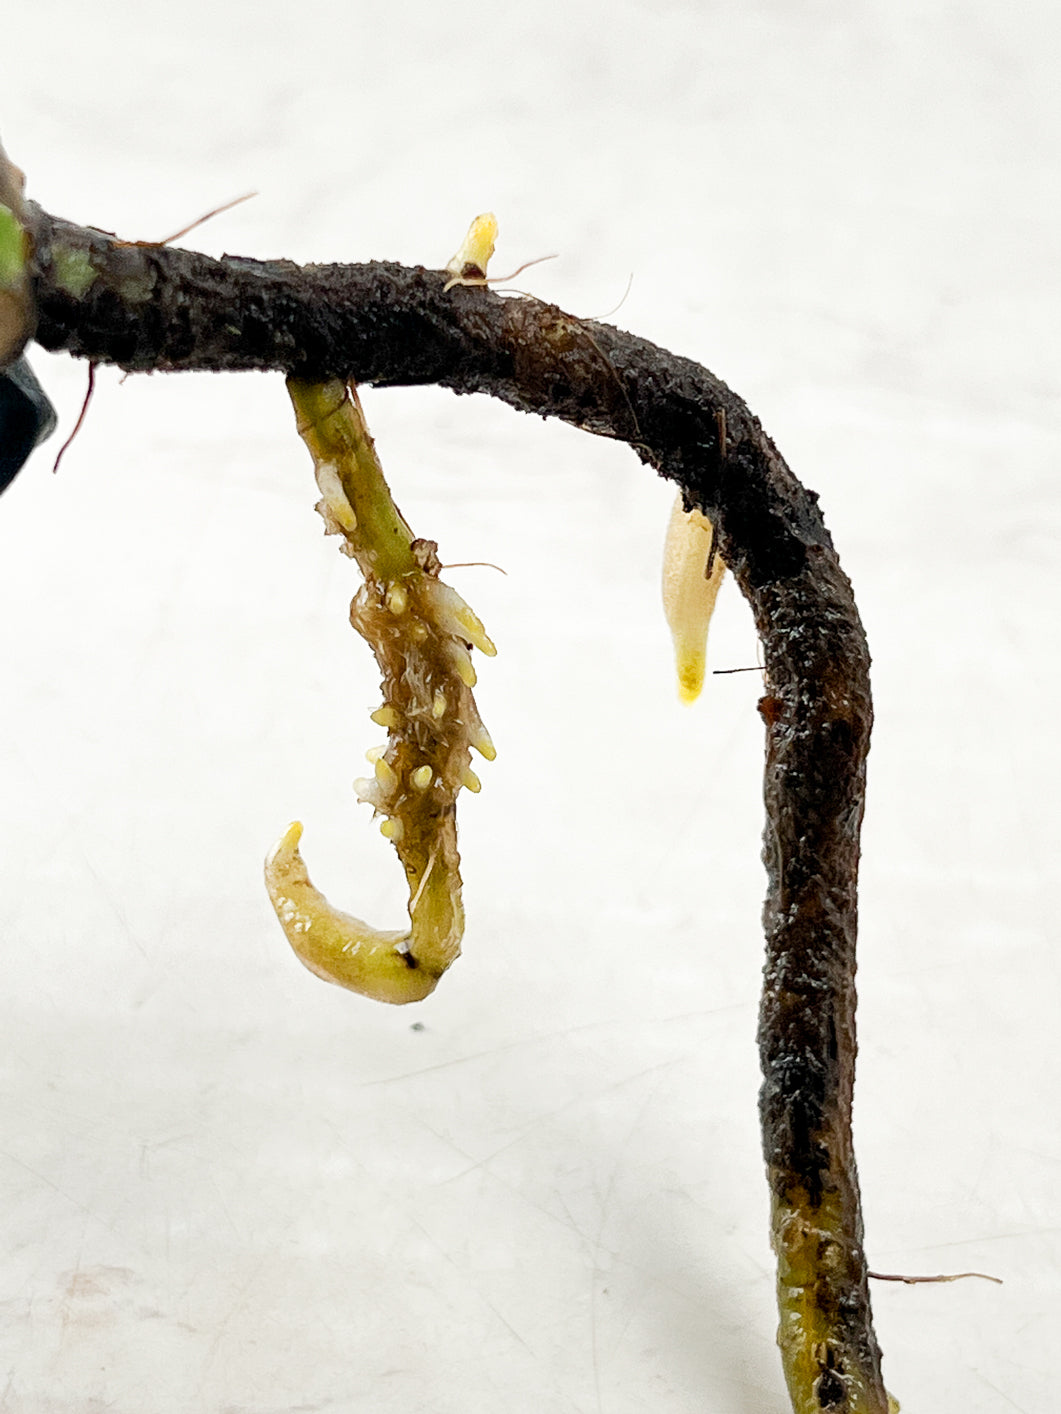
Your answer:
<point x="332" y="424"/>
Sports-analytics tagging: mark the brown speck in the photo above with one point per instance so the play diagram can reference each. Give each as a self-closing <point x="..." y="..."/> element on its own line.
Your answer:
<point x="770" y="709"/>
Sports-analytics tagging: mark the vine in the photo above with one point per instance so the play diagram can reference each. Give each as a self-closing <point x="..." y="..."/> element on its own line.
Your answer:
<point x="144" y="307"/>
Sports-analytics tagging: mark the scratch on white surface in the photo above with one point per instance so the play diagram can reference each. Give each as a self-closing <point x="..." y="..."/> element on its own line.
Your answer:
<point x="576" y="1102"/>
<point x="56" y="1188"/>
<point x="466" y="1277"/>
<point x="518" y="1043"/>
<point x="1000" y="1392"/>
<point x="520" y="1194"/>
<point x="978" y="1239"/>
<point x="237" y="1304"/>
<point x="597" y="1273"/>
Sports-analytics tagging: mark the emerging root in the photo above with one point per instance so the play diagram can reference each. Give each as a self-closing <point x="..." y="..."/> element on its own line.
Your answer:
<point x="691" y="578"/>
<point x="473" y="256"/>
<point x="468" y="266"/>
<point x="422" y="634"/>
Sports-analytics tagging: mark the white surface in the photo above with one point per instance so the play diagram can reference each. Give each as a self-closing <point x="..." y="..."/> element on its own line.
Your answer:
<point x="227" y="1187"/>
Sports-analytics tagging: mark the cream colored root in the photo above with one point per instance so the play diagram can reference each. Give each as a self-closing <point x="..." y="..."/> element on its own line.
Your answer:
<point x="689" y="594"/>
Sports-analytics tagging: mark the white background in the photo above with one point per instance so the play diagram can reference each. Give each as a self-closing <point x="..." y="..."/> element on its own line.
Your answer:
<point x="228" y="1187"/>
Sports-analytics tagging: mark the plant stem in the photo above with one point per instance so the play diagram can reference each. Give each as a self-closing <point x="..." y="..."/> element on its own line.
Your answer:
<point x="164" y="309"/>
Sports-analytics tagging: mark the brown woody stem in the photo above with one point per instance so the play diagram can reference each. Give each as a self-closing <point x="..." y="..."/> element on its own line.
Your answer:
<point x="153" y="308"/>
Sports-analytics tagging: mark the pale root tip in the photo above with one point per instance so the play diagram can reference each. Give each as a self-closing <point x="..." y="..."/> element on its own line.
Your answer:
<point x="473" y="626"/>
<point x="386" y="775"/>
<point x="477" y="246"/>
<point x="690" y="681"/>
<point x="368" y="792"/>
<point x="335" y="498"/>
<point x="397" y="600"/>
<point x="289" y="841"/>
<point x="284" y="853"/>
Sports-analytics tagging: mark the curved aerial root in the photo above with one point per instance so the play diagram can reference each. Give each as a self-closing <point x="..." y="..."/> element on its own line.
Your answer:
<point x="422" y="634"/>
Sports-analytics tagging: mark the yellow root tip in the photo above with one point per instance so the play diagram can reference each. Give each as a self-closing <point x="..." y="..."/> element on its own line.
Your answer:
<point x="397" y="600"/>
<point x="386" y="776"/>
<point x="475" y="250"/>
<point x="690" y="677"/>
<point x="484" y="745"/>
